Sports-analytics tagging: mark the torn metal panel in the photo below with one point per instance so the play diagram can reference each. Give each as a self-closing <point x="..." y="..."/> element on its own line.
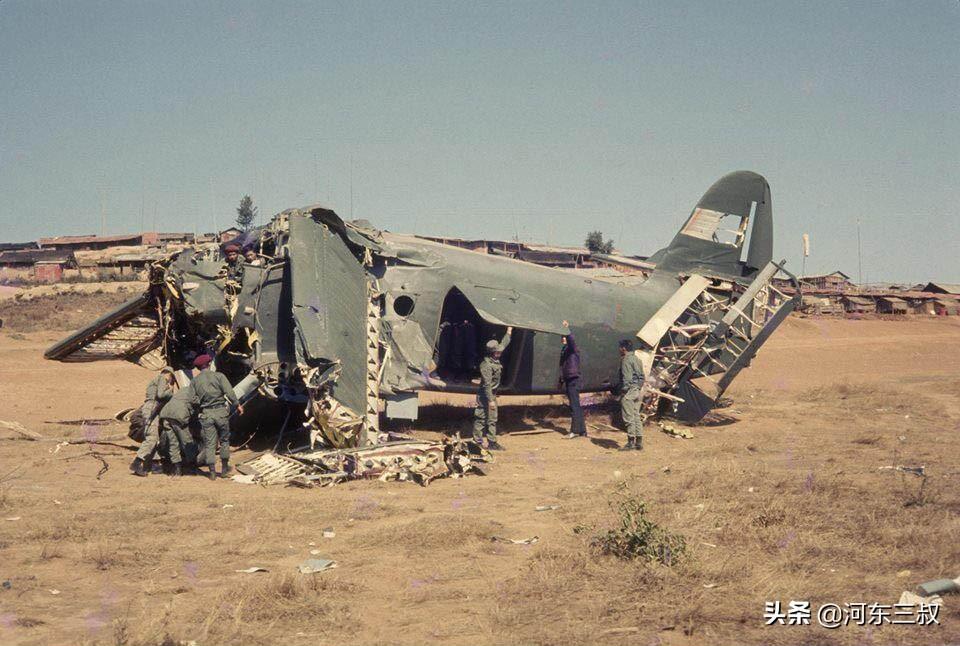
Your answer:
<point x="329" y="307"/>
<point x="505" y="306"/>
<point x="409" y="356"/>
<point x="127" y="332"/>
<point x="658" y="324"/>
<point x="415" y="461"/>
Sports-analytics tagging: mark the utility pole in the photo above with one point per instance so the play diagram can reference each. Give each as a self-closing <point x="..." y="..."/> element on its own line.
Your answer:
<point x="103" y="213"/>
<point x="859" y="260"/>
<point x="351" y="186"/>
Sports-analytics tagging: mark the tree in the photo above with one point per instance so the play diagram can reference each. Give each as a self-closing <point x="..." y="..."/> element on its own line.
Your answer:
<point x="596" y="244"/>
<point x="246" y="213"/>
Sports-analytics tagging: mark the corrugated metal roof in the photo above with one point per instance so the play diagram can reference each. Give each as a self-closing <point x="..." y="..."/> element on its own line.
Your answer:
<point x="893" y="300"/>
<point x="60" y="240"/>
<point x="858" y="300"/>
<point x="35" y="255"/>
<point x="950" y="288"/>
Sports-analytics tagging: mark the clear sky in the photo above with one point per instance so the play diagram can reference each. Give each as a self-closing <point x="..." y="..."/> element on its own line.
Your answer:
<point x="543" y="120"/>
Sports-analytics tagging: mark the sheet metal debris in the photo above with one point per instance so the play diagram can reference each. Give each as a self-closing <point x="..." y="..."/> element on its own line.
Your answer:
<point x="410" y="460"/>
<point x="312" y="566"/>
<point x="516" y="541"/>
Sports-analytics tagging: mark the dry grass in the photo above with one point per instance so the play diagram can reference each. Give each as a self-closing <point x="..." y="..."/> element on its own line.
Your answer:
<point x="61" y="312"/>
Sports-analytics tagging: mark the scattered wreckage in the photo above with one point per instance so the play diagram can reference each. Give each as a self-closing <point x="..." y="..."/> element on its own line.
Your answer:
<point x="339" y="323"/>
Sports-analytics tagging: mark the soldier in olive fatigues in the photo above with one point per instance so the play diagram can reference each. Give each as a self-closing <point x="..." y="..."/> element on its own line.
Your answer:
<point x="174" y="420"/>
<point x="631" y="381"/>
<point x="485" y="414"/>
<point x="159" y="391"/>
<point x="213" y="393"/>
<point x="234" y="263"/>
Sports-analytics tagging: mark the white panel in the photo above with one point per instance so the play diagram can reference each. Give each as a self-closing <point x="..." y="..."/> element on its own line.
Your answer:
<point x="666" y="316"/>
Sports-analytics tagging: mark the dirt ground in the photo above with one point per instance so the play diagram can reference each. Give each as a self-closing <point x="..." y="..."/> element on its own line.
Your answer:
<point x="785" y="498"/>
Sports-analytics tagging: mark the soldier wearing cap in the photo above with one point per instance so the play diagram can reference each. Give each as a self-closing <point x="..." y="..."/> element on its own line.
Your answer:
<point x="629" y="386"/>
<point x="174" y="427"/>
<point x="234" y="262"/>
<point x="214" y="393"/>
<point x="485" y="413"/>
<point x="159" y="391"/>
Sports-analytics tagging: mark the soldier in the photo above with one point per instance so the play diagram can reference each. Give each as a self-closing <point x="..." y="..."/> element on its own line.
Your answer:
<point x="570" y="380"/>
<point x="174" y="420"/>
<point x="234" y="263"/>
<point x="631" y="381"/>
<point x="251" y="257"/>
<point x="159" y="390"/>
<point x="485" y="414"/>
<point x="214" y="392"/>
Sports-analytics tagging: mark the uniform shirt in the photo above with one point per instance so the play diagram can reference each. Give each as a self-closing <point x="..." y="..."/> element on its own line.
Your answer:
<point x="235" y="270"/>
<point x="491" y="371"/>
<point x="159" y="390"/>
<point x="631" y="372"/>
<point x="181" y="405"/>
<point x="213" y="390"/>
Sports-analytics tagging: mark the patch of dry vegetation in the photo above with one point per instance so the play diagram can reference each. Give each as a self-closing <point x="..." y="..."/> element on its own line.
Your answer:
<point x="60" y="312"/>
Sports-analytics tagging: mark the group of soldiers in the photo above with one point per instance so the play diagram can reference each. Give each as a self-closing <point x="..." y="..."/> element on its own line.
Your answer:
<point x="168" y="409"/>
<point x="167" y="414"/>
<point x="629" y="387"/>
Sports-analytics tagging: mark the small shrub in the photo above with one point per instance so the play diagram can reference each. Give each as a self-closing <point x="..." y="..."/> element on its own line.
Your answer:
<point x="636" y="536"/>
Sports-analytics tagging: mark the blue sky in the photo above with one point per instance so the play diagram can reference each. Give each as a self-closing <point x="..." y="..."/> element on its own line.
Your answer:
<point x="543" y="120"/>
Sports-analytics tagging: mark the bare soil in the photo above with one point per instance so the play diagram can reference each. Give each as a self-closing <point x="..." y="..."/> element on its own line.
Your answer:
<point x="785" y="498"/>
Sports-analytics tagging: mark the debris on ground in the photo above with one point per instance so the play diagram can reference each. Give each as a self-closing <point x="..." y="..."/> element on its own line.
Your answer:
<point x="673" y="431"/>
<point x="414" y="460"/>
<point x="516" y="541"/>
<point x="546" y="507"/>
<point x="328" y="532"/>
<point x="251" y="570"/>
<point x="19" y="429"/>
<point x="911" y="599"/>
<point x="939" y="586"/>
<point x="312" y="566"/>
<point x="917" y="471"/>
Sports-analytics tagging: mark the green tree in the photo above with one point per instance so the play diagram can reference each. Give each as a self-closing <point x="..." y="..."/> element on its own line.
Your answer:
<point x="246" y="213"/>
<point x="596" y="244"/>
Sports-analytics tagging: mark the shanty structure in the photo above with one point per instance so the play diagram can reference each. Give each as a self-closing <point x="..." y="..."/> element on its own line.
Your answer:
<point x="90" y="243"/>
<point x="858" y="305"/>
<point x="230" y="234"/>
<point x="892" y="305"/>
<point x="836" y="281"/>
<point x="945" y="307"/>
<point x="46" y="265"/>
<point x="17" y="246"/>
<point x="943" y="288"/>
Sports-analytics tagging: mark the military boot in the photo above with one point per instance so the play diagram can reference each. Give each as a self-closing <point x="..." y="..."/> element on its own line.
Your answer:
<point x="175" y="470"/>
<point x="139" y="468"/>
<point x="638" y="445"/>
<point x="211" y="472"/>
<point x="225" y="469"/>
<point x="630" y="445"/>
<point x="493" y="445"/>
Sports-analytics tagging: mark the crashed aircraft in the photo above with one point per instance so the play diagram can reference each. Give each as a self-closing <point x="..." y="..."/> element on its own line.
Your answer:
<point x="343" y="323"/>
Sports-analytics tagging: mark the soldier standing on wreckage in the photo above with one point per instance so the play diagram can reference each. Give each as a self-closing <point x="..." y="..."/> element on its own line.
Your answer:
<point x="629" y="387"/>
<point x="485" y="414"/>
<point x="174" y="425"/>
<point x="214" y="392"/>
<point x="234" y="263"/>
<point x="159" y="391"/>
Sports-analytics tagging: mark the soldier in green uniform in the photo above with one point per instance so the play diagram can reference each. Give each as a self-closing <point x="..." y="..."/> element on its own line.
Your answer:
<point x="174" y="420"/>
<point x="214" y="392"/>
<point x="485" y="414"/>
<point x="159" y="391"/>
<point x="631" y="381"/>
<point x="234" y="263"/>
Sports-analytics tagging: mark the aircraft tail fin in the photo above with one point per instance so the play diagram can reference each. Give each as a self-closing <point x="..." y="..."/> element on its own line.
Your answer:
<point x="729" y="233"/>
